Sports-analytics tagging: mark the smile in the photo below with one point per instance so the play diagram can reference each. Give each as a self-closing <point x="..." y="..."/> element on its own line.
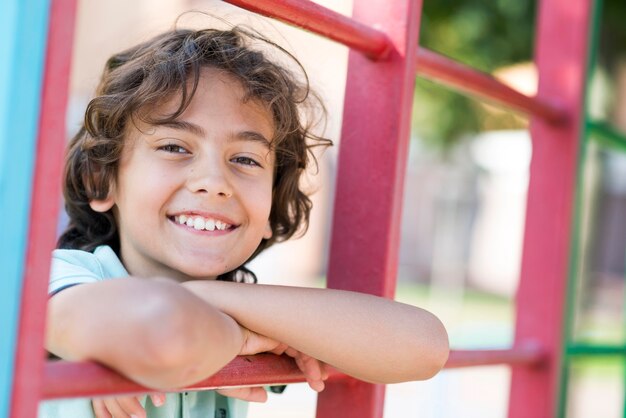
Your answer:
<point x="200" y="223"/>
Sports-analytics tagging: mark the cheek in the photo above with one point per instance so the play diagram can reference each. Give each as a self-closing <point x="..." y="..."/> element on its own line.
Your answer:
<point x="143" y="189"/>
<point x="260" y="202"/>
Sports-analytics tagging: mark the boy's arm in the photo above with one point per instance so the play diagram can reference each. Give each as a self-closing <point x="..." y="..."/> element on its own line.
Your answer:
<point x="153" y="331"/>
<point x="368" y="337"/>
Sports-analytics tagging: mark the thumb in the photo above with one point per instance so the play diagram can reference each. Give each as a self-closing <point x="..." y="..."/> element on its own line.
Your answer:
<point x="255" y="343"/>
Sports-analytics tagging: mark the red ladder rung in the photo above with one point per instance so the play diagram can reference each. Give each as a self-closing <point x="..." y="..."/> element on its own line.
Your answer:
<point x="322" y="21"/>
<point x="452" y="73"/>
<point x="376" y="44"/>
<point x="530" y="355"/>
<point x="64" y="379"/>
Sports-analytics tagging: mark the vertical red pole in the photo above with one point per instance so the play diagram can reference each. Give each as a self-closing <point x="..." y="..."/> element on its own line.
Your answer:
<point x="561" y="50"/>
<point x="44" y="211"/>
<point x="372" y="160"/>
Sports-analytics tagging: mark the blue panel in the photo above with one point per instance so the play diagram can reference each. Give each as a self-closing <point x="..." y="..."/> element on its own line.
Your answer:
<point x="23" y="30"/>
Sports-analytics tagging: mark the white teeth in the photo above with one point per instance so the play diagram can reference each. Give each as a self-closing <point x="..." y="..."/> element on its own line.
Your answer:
<point x="198" y="224"/>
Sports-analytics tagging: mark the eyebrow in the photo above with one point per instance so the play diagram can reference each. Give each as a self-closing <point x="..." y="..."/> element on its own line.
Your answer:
<point x="181" y="125"/>
<point x="197" y="130"/>
<point x="255" y="137"/>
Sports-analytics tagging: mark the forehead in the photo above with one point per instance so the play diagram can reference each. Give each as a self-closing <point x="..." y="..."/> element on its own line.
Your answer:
<point x="220" y="98"/>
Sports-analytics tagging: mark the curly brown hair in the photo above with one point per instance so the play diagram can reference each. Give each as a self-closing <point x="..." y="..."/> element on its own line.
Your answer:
<point x="169" y="64"/>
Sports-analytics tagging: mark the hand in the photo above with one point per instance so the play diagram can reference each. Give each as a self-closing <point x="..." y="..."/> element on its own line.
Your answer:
<point x="313" y="369"/>
<point x="124" y="407"/>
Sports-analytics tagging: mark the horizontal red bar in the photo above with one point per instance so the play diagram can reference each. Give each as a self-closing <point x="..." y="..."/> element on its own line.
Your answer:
<point x="63" y="379"/>
<point x="376" y="44"/>
<point x="527" y="355"/>
<point x="322" y="21"/>
<point x="462" y="77"/>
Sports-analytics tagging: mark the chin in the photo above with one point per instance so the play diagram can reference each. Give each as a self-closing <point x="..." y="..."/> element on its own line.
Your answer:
<point x="201" y="274"/>
<point x="201" y="266"/>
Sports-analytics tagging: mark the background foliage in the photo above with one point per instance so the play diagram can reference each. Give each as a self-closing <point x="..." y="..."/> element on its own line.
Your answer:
<point x="488" y="35"/>
<point x="485" y="35"/>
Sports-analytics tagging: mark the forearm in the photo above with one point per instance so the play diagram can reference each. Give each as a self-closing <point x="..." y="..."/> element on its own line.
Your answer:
<point x="368" y="337"/>
<point x="154" y="332"/>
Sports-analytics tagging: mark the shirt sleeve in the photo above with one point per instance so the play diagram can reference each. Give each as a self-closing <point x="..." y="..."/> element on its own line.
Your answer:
<point x="72" y="267"/>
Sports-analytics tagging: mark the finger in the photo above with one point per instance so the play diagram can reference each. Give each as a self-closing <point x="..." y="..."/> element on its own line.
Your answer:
<point x="280" y="349"/>
<point x="325" y="373"/>
<point x="114" y="409"/>
<point x="300" y="359"/>
<point x="292" y="352"/>
<point x="249" y="394"/>
<point x="256" y="343"/>
<point x="311" y="367"/>
<point x="124" y="407"/>
<point x="99" y="409"/>
<point x="312" y="370"/>
<point x="158" y="399"/>
<point x="317" y="385"/>
<point x="300" y="365"/>
<point x="131" y="406"/>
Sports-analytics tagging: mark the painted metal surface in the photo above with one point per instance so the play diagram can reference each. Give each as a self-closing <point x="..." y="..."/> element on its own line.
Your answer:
<point x="561" y="51"/>
<point x="372" y="161"/>
<point x="63" y="379"/>
<point x="529" y="355"/>
<point x="445" y="70"/>
<point x="322" y="21"/>
<point x="22" y="42"/>
<point x="29" y="356"/>
<point x="607" y="135"/>
<point x="596" y="350"/>
<point x="69" y="379"/>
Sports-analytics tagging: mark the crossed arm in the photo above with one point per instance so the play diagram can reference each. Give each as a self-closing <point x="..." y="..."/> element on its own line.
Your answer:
<point x="163" y="334"/>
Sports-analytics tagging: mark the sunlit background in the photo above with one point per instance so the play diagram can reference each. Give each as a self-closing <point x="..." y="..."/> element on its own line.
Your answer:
<point x="465" y="191"/>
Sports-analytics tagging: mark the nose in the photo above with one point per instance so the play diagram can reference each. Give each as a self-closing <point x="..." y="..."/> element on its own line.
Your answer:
<point x="211" y="178"/>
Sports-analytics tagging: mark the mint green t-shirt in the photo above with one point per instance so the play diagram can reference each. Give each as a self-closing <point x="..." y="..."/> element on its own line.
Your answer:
<point x="72" y="267"/>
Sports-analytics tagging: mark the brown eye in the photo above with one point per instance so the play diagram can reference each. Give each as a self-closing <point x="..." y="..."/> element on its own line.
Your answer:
<point x="246" y="161"/>
<point x="173" y="148"/>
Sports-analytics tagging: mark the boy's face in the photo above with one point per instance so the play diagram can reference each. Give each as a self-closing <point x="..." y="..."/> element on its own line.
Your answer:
<point x="193" y="199"/>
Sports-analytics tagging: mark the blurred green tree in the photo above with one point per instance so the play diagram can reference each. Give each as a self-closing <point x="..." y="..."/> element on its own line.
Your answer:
<point x="488" y="35"/>
<point x="484" y="35"/>
<point x="612" y="48"/>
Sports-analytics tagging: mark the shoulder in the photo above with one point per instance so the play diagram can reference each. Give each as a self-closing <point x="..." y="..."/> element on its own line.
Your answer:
<point x="70" y="267"/>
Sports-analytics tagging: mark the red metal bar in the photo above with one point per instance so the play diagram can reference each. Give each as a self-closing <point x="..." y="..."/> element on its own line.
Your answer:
<point x="322" y="21"/>
<point x="464" y="78"/>
<point x="325" y="22"/>
<point x="561" y="50"/>
<point x="523" y="356"/>
<point x="370" y="180"/>
<point x="64" y="379"/>
<point x="44" y="210"/>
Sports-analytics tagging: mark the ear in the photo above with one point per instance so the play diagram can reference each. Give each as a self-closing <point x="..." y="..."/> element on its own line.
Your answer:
<point x="103" y="205"/>
<point x="267" y="234"/>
